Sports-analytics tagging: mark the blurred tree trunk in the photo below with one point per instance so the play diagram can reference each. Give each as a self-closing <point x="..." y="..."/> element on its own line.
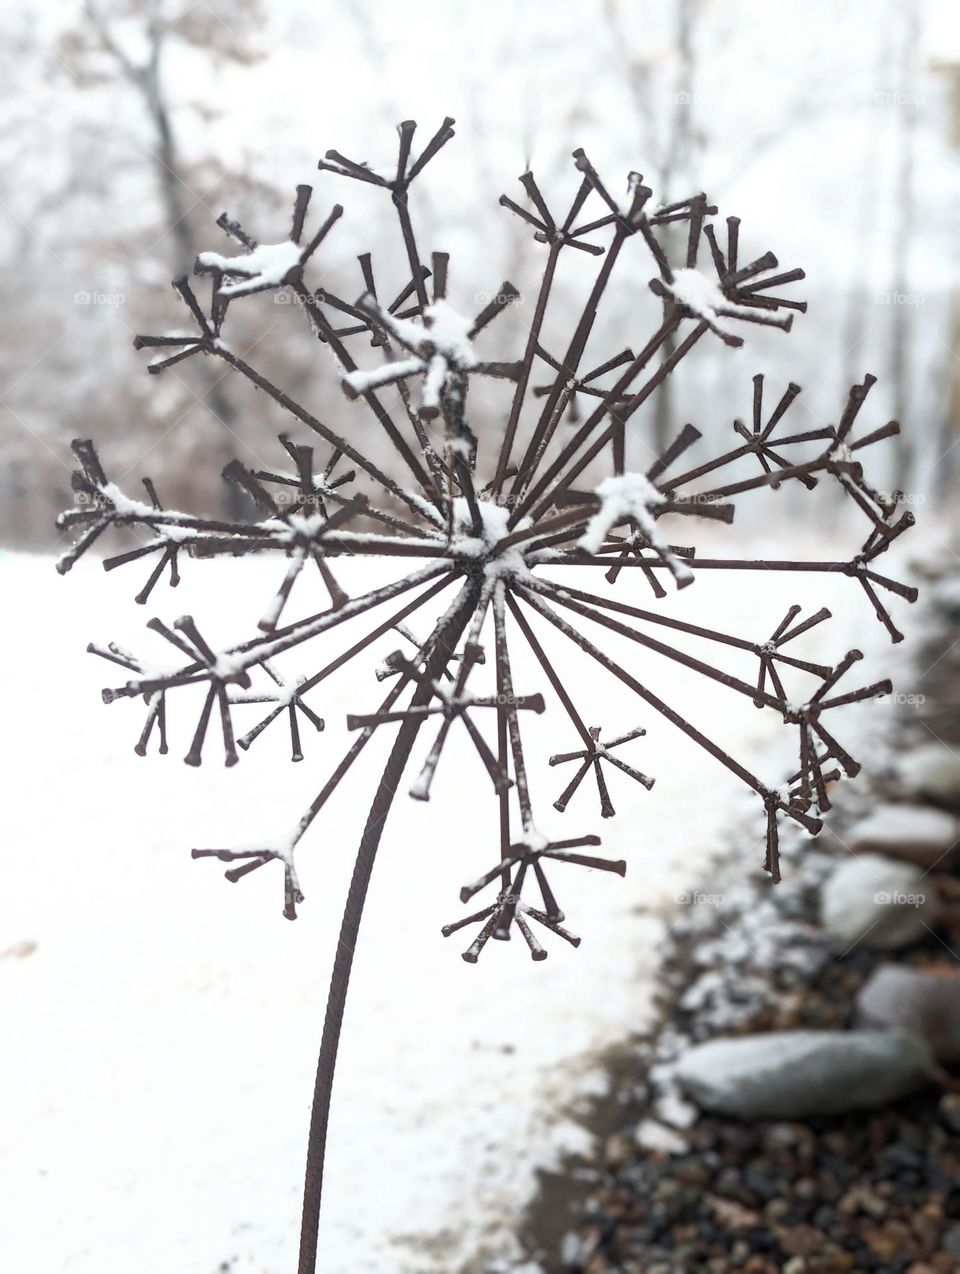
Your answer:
<point x="677" y="158"/>
<point x="674" y="154"/>
<point x="948" y="440"/>
<point x="168" y="168"/>
<point x="864" y="235"/>
<point x="903" y="220"/>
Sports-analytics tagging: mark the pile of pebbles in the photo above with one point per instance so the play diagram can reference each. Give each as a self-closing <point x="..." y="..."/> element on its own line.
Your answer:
<point x="797" y="1105"/>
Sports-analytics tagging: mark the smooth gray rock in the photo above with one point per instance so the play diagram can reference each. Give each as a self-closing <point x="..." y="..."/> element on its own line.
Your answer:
<point x="802" y="1074"/>
<point x="877" y="902"/>
<point x="895" y="997"/>
<point x="915" y="833"/>
<point x="932" y="770"/>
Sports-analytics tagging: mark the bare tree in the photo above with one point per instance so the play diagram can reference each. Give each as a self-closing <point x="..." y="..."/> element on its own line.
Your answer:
<point x="102" y="53"/>
<point x="867" y="212"/>
<point x="672" y="139"/>
<point x="903" y="220"/>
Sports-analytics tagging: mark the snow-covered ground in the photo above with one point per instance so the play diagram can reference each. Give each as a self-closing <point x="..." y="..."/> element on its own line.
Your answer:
<point x="161" y="1025"/>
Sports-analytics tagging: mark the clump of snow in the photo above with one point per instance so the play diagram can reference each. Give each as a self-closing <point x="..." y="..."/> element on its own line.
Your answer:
<point x="363" y="381"/>
<point x="443" y="331"/>
<point x="229" y="665"/>
<point x="266" y="266"/>
<point x="123" y="505"/>
<point x="697" y="292"/>
<point x="622" y="496"/>
<point x="177" y="534"/>
<point x="631" y="495"/>
<point x="429" y="511"/>
<point x="283" y="693"/>
<point x="461" y="447"/>
<point x="494" y="517"/>
<point x="842" y="454"/>
<point x="703" y="297"/>
<point x="449" y="333"/>
<point x="306" y="525"/>
<point x="439" y="342"/>
<point x="674" y="1111"/>
<point x="163" y="522"/>
<point x="495" y="520"/>
<point x="653" y="1135"/>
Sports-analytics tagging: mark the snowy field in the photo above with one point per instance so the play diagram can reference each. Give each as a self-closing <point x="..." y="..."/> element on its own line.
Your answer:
<point x="161" y="1025"/>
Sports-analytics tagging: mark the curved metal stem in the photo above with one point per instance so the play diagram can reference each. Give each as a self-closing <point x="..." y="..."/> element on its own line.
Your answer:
<point x="453" y="625"/>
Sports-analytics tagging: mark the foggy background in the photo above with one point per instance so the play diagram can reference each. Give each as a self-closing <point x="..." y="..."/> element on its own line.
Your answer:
<point x="832" y="131"/>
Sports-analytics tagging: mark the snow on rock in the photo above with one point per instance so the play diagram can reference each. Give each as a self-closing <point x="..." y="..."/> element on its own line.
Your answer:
<point x="801" y="1074"/>
<point x="896" y="997"/>
<point x="946" y="595"/>
<point x="916" y="833"/>
<point x="266" y="266"/>
<point x="671" y="1109"/>
<point x="932" y="770"/>
<point x="653" y="1135"/>
<point x="877" y="901"/>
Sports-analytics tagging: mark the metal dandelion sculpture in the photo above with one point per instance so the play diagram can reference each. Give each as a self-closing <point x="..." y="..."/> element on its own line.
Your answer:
<point x="487" y="521"/>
